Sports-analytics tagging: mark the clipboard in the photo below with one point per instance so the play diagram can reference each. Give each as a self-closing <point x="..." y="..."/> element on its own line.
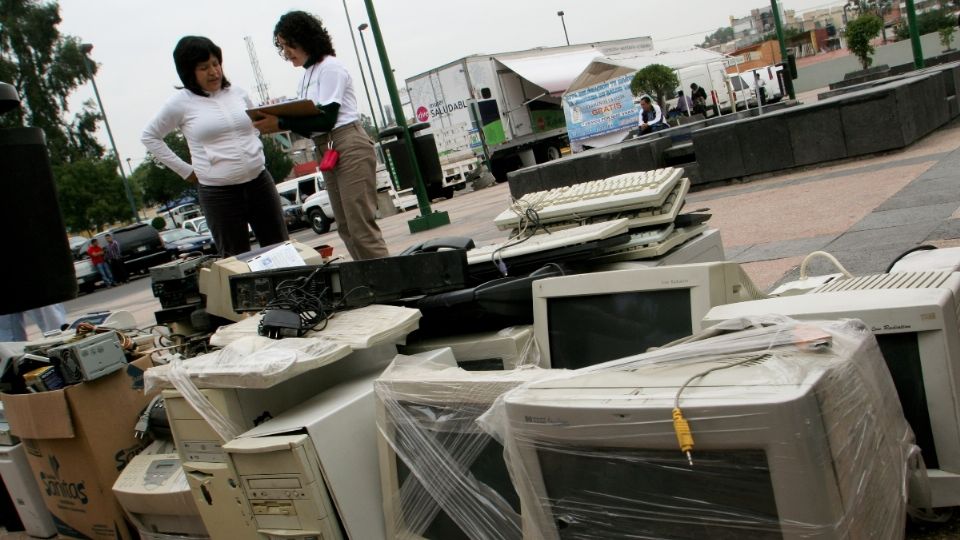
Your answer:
<point x="299" y="107"/>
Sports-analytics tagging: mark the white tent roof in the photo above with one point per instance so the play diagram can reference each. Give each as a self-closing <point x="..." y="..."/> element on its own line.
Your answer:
<point x="604" y="68"/>
<point x="552" y="72"/>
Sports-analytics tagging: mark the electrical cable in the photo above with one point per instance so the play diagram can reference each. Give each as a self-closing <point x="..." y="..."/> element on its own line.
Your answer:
<point x="680" y="424"/>
<point x="925" y="247"/>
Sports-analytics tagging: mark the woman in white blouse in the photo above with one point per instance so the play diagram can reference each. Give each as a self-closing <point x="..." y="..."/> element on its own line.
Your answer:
<point x="352" y="183"/>
<point x="225" y="150"/>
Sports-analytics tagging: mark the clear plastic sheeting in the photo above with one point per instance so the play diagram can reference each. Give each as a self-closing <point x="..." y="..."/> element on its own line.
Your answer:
<point x="763" y="429"/>
<point x="359" y="328"/>
<point x="442" y="476"/>
<point x="510" y="348"/>
<point x="251" y="362"/>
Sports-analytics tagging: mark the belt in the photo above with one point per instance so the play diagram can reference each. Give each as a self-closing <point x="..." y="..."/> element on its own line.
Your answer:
<point x="325" y="136"/>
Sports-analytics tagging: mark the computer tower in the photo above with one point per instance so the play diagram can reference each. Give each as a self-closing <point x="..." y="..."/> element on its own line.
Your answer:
<point x="22" y="486"/>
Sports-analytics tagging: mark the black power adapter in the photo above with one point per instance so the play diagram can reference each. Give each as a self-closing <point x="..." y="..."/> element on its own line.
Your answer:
<point x="281" y="323"/>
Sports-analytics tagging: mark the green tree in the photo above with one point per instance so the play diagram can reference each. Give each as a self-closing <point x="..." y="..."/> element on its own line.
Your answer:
<point x="45" y="67"/>
<point x="159" y="184"/>
<point x="722" y="35"/>
<point x="860" y="32"/>
<point x="279" y="163"/>
<point x="656" y="80"/>
<point x="368" y="126"/>
<point x="928" y="23"/>
<point x="946" y="37"/>
<point x="91" y="193"/>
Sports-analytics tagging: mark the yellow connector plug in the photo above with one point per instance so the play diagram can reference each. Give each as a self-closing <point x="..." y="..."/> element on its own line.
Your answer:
<point x="682" y="428"/>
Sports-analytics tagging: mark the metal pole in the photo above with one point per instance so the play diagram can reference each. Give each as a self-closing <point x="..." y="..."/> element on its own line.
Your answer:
<point x="427" y="219"/>
<point x="564" y="23"/>
<point x="366" y="90"/>
<point x="130" y="166"/>
<point x="123" y="174"/>
<point x="376" y="92"/>
<point x="783" y="45"/>
<point x="914" y="35"/>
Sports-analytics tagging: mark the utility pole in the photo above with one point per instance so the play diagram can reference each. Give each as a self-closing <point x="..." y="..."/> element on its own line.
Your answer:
<point x="427" y="219"/>
<point x="914" y="35"/>
<point x="783" y="49"/>
<point x="564" y="23"/>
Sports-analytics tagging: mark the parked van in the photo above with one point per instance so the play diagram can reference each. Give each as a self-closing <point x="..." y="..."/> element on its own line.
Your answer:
<point x="712" y="78"/>
<point x="744" y="84"/>
<point x="176" y="216"/>
<point x="300" y="188"/>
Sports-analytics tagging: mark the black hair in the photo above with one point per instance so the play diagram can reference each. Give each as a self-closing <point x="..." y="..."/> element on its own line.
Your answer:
<point x="694" y="85"/>
<point x="191" y="51"/>
<point x="647" y="99"/>
<point x="303" y="30"/>
<point x="679" y="92"/>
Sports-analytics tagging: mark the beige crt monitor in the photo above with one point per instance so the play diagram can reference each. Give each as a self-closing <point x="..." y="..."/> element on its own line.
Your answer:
<point x="429" y="415"/>
<point x="587" y="319"/>
<point x="914" y="318"/>
<point x="778" y="450"/>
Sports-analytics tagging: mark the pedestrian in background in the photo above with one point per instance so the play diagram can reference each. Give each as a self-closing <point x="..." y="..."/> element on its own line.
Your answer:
<point x="651" y="117"/>
<point x="352" y="182"/>
<point x="98" y="260"/>
<point x="226" y="154"/>
<point x="13" y="326"/>
<point x="114" y="259"/>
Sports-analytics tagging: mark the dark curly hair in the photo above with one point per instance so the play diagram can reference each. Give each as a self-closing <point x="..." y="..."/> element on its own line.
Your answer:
<point x="303" y="30"/>
<point x="191" y="51"/>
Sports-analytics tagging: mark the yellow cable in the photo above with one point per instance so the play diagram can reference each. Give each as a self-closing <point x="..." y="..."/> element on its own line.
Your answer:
<point x="684" y="436"/>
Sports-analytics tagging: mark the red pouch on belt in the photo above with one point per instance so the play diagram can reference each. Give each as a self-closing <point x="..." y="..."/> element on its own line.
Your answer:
<point x="330" y="158"/>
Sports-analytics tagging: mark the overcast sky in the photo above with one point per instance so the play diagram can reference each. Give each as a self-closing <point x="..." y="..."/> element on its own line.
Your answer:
<point x="134" y="39"/>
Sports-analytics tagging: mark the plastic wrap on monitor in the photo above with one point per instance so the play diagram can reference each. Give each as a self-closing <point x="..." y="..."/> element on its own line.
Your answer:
<point x="442" y="476"/>
<point x="360" y="328"/>
<point x="793" y="431"/>
<point x="510" y="348"/>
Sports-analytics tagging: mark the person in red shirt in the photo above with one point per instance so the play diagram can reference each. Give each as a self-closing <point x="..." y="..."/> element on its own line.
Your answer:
<point x="97" y="260"/>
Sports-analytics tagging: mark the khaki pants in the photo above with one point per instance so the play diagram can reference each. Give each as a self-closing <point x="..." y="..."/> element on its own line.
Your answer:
<point x="352" y="186"/>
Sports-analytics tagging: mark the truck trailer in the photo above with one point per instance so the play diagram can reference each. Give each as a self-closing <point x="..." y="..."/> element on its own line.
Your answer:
<point x="505" y="108"/>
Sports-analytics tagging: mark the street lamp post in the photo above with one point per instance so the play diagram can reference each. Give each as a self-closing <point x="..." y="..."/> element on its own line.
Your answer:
<point x="376" y="92"/>
<point x="427" y="219"/>
<point x="564" y="23"/>
<point x="130" y="166"/>
<point x="85" y="49"/>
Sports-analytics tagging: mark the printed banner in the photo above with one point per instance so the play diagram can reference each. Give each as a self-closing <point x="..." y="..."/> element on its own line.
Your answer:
<point x="600" y="109"/>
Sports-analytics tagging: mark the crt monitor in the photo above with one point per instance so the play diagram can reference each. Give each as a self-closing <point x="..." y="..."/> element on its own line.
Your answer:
<point x="777" y="451"/>
<point x="427" y="420"/>
<point x="916" y="328"/>
<point x="587" y="319"/>
<point x="506" y="349"/>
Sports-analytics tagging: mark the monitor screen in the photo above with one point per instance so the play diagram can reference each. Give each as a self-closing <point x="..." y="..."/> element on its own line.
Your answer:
<point x="612" y="492"/>
<point x="902" y="355"/>
<point x="488" y="468"/>
<point x="588" y="330"/>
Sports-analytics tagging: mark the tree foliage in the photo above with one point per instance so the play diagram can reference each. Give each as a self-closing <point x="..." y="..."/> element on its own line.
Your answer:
<point x="860" y="32"/>
<point x="91" y="193"/>
<point x="278" y="161"/>
<point x="722" y="35"/>
<point x="928" y="23"/>
<point x="946" y="37"/>
<point x="45" y="67"/>
<point x="158" y="184"/>
<point x="657" y="80"/>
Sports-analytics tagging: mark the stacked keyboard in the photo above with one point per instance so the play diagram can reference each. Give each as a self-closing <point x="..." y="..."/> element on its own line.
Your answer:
<point x="625" y="217"/>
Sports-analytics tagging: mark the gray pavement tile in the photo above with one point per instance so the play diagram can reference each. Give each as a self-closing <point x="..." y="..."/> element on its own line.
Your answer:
<point x="947" y="230"/>
<point x="879" y="239"/>
<point x="732" y="252"/>
<point x="877" y="167"/>
<point x="868" y="261"/>
<point x="924" y="193"/>
<point x="781" y="250"/>
<point x="904" y="216"/>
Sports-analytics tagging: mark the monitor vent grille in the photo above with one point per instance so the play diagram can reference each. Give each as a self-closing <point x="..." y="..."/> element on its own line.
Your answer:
<point x="900" y="280"/>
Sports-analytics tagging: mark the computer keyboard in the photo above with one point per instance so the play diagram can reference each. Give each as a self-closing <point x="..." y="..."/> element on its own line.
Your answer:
<point x="623" y="192"/>
<point x="545" y="242"/>
<point x="652" y="245"/>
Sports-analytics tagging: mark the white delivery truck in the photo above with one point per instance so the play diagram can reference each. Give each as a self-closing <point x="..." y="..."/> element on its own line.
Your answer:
<point x="504" y="107"/>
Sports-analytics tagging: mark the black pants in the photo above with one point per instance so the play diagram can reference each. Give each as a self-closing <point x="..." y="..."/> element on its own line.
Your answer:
<point x="230" y="208"/>
<point x="119" y="271"/>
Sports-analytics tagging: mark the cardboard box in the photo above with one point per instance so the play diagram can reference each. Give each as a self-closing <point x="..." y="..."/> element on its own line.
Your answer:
<point x="78" y="440"/>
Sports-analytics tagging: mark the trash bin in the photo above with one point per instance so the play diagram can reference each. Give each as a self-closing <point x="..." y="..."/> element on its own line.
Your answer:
<point x="395" y="151"/>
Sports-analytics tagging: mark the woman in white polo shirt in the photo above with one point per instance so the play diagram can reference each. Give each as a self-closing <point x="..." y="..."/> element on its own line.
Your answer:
<point x="225" y="150"/>
<point x="352" y="183"/>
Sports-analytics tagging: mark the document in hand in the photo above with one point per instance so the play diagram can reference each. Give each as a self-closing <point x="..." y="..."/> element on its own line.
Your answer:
<point x="299" y="107"/>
